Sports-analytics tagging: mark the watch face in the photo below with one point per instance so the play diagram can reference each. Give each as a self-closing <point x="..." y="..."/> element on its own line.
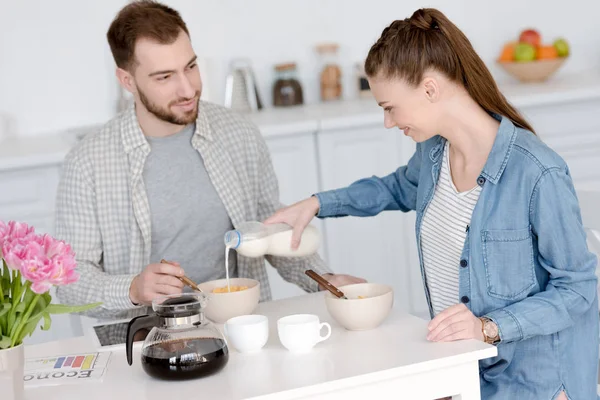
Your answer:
<point x="491" y="330"/>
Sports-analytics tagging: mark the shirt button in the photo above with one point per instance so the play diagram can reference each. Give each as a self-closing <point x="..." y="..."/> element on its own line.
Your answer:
<point x="463" y="263"/>
<point x="464" y="299"/>
<point x="480" y="181"/>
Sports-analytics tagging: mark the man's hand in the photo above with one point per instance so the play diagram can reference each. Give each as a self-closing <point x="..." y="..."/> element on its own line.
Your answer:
<point x="455" y="323"/>
<point x="338" y="280"/>
<point x="156" y="280"/>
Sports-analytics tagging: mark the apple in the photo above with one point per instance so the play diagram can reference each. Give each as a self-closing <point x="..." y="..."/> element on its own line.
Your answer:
<point x="530" y="36"/>
<point x="524" y="52"/>
<point x="562" y="47"/>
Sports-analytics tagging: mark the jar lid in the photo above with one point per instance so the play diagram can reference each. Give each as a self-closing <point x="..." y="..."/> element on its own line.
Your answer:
<point x="285" y="67"/>
<point x="327" y="47"/>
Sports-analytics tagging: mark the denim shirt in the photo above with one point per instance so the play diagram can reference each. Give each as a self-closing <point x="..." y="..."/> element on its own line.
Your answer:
<point x="528" y="267"/>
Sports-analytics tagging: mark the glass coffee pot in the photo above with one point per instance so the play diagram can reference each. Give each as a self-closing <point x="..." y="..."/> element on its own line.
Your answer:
<point x="181" y="344"/>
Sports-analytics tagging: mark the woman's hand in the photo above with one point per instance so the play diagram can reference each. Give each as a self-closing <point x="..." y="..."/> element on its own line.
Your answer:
<point x="455" y="323"/>
<point x="297" y="216"/>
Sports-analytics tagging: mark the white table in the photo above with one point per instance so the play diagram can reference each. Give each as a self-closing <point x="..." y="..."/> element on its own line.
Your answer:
<point x="394" y="358"/>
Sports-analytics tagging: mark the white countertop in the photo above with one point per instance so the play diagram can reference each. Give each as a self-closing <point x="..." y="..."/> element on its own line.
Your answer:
<point x="25" y="151"/>
<point x="396" y="348"/>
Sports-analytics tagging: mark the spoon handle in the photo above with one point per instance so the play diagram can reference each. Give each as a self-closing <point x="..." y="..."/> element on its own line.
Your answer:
<point x="184" y="279"/>
<point x="325" y="283"/>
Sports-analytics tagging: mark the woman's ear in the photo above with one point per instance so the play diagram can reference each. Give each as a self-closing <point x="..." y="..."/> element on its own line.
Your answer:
<point x="432" y="89"/>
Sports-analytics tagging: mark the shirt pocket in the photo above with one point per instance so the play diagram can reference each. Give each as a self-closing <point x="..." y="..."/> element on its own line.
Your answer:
<point x="508" y="260"/>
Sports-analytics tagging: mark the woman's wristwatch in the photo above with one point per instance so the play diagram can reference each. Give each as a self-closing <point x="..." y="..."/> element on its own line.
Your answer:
<point x="490" y="331"/>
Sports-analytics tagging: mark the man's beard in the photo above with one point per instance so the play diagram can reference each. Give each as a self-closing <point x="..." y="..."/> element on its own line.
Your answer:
<point x="165" y="114"/>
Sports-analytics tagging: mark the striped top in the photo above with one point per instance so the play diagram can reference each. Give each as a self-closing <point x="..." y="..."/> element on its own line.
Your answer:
<point x="443" y="234"/>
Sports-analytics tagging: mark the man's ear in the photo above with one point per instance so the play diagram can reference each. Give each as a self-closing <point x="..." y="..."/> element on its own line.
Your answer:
<point x="126" y="80"/>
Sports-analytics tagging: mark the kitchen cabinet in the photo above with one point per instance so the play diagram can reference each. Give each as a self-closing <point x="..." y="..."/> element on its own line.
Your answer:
<point x="572" y="129"/>
<point x="377" y="248"/>
<point x="28" y="195"/>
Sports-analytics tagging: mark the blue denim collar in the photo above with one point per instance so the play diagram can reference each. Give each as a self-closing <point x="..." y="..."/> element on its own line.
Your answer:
<point x="499" y="155"/>
<point x="503" y="144"/>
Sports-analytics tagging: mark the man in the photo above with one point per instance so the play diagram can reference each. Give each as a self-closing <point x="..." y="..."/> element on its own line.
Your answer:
<point x="165" y="180"/>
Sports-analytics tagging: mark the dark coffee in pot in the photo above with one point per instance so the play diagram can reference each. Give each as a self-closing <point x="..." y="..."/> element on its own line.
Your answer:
<point x="185" y="358"/>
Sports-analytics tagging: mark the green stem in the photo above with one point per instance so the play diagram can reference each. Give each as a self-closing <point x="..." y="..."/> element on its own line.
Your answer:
<point x="13" y="286"/>
<point x="2" y="279"/>
<point x="25" y="319"/>
<point x="17" y="297"/>
<point x="16" y="287"/>
<point x="3" y="321"/>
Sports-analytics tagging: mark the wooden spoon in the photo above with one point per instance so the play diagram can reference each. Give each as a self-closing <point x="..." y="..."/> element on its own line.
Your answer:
<point x="184" y="278"/>
<point x="325" y="283"/>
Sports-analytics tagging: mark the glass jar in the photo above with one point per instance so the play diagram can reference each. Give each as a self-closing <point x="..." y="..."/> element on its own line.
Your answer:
<point x="287" y="90"/>
<point x="362" y="84"/>
<point x="331" y="73"/>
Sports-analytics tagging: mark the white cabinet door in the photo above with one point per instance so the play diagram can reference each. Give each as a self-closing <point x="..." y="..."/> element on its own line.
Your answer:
<point x="374" y="248"/>
<point x="295" y="163"/>
<point x="573" y="131"/>
<point x="28" y="195"/>
<point x="417" y="303"/>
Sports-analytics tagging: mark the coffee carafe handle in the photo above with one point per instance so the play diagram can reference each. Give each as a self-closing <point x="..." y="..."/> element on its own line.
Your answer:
<point x="135" y="325"/>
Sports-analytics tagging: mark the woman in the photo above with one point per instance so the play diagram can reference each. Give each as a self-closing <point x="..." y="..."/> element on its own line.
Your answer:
<point x="502" y="248"/>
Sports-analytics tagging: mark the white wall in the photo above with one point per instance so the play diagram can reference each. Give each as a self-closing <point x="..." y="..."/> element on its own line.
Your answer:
<point x="56" y="71"/>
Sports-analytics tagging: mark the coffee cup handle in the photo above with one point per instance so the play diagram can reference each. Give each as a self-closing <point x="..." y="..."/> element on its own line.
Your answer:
<point x="321" y="338"/>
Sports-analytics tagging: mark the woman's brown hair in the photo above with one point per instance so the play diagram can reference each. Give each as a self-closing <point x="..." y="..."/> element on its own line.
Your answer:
<point x="428" y="40"/>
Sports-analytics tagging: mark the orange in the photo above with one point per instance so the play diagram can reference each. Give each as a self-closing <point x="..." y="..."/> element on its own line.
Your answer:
<point x="546" y="52"/>
<point x="508" y="52"/>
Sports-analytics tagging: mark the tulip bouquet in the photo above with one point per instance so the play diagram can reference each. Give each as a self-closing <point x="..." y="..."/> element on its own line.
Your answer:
<point x="31" y="265"/>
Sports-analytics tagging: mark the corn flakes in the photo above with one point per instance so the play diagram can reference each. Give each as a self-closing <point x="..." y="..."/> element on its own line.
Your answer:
<point x="225" y="289"/>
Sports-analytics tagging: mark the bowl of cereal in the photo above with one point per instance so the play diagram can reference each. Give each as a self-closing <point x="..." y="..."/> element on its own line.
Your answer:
<point x="366" y="305"/>
<point x="224" y="302"/>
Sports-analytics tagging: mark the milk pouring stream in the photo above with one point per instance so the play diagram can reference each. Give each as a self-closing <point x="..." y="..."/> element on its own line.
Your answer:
<point x="255" y="239"/>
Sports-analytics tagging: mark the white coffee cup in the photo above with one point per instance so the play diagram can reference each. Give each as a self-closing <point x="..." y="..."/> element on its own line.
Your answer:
<point x="247" y="333"/>
<point x="299" y="333"/>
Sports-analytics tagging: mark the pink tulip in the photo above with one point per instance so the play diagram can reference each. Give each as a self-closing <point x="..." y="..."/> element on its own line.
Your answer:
<point x="49" y="262"/>
<point x="54" y="247"/>
<point x="14" y="251"/>
<point x="20" y="230"/>
<point x="4" y="229"/>
<point x="14" y="238"/>
<point x="63" y="271"/>
<point x="38" y="272"/>
<point x="63" y="259"/>
<point x="41" y="259"/>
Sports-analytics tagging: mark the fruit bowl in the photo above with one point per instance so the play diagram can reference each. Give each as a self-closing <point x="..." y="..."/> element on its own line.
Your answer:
<point x="531" y="59"/>
<point x="532" y="71"/>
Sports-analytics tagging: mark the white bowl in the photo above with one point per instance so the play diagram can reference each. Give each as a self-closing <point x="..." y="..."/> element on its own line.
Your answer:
<point x="357" y="314"/>
<point x="223" y="306"/>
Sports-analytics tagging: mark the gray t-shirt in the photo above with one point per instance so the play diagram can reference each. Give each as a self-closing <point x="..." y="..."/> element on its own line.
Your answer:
<point x="188" y="216"/>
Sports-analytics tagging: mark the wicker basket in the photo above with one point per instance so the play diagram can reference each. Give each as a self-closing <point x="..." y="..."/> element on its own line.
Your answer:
<point x="532" y="71"/>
